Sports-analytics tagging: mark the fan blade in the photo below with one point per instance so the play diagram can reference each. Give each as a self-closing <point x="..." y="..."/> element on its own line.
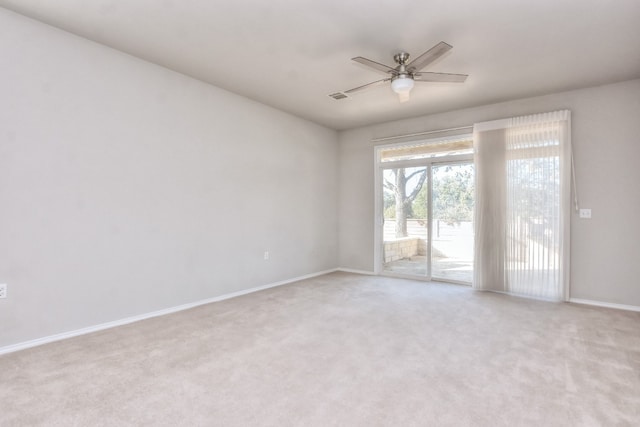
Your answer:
<point x="373" y="64"/>
<point x="428" y="57"/>
<point x="376" y="83"/>
<point x="440" y="77"/>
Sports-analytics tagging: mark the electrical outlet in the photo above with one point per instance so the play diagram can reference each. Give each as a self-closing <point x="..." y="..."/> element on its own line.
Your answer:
<point x="266" y="255"/>
<point x="3" y="290"/>
<point x="585" y="213"/>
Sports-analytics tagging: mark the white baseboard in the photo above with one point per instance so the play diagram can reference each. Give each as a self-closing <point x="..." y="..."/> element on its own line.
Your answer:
<point x="351" y="270"/>
<point x="70" y="334"/>
<point x="605" y="304"/>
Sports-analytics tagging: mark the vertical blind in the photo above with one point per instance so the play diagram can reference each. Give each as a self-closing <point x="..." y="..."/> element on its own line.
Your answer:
<point x="523" y="171"/>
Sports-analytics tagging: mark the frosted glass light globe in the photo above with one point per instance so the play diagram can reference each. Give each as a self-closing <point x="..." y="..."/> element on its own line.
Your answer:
<point x="402" y="85"/>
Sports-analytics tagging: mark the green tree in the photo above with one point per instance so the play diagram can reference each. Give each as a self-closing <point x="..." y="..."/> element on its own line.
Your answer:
<point x="453" y="194"/>
<point x="420" y="205"/>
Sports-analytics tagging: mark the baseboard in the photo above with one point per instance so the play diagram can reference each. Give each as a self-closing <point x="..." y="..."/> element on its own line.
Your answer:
<point x="57" y="337"/>
<point x="351" y="270"/>
<point x="605" y="304"/>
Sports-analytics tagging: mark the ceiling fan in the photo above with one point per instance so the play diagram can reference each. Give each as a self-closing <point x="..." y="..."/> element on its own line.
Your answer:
<point x="403" y="76"/>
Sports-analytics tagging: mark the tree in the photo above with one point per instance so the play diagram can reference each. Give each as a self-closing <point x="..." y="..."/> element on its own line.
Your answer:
<point x="399" y="186"/>
<point x="453" y="194"/>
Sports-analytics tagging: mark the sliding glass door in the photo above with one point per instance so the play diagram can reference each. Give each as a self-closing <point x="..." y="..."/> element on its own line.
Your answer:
<point x="452" y="242"/>
<point x="426" y="211"/>
<point x="405" y="231"/>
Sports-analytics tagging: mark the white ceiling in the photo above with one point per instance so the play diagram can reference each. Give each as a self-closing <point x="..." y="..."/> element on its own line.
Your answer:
<point x="291" y="54"/>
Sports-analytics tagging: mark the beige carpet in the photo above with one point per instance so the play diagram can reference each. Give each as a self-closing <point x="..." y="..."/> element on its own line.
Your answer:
<point x="340" y="350"/>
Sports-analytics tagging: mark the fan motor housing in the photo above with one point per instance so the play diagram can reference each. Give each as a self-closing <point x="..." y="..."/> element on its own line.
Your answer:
<point x="401" y="58"/>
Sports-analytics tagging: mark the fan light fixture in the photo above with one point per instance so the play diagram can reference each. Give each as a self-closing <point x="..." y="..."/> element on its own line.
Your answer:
<point x="402" y="86"/>
<point x="404" y="75"/>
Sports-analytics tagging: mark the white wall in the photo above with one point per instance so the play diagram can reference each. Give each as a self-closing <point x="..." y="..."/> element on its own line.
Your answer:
<point x="605" y="263"/>
<point x="127" y="188"/>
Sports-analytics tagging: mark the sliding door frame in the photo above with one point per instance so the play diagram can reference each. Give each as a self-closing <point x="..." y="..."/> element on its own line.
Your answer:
<point x="459" y="160"/>
<point x="380" y="166"/>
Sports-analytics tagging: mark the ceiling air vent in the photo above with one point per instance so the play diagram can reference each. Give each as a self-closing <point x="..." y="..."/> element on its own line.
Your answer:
<point x="338" y="95"/>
